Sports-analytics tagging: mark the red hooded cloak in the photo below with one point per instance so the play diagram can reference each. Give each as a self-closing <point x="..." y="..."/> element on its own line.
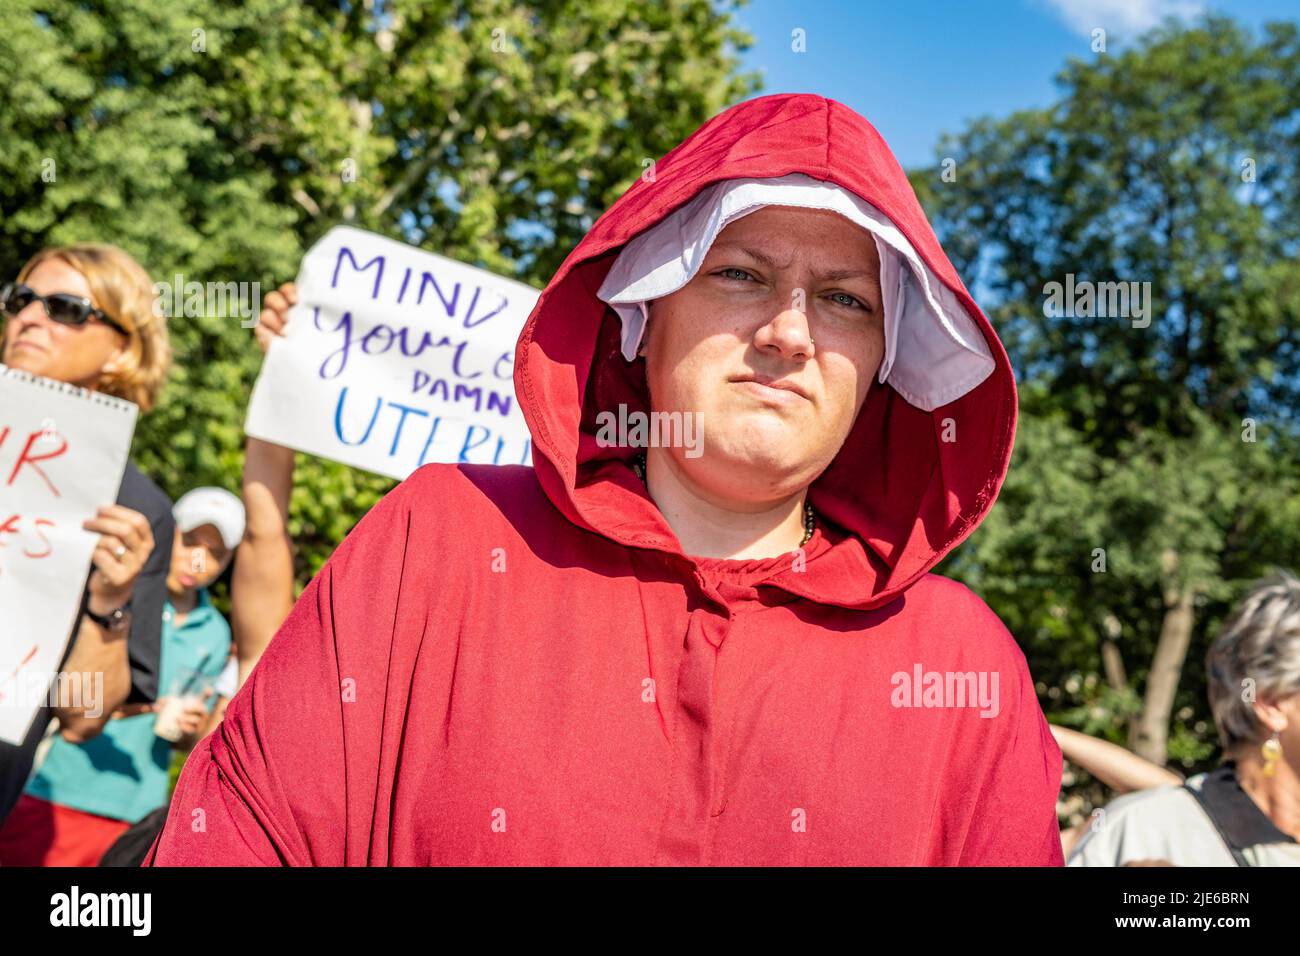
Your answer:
<point x="512" y="665"/>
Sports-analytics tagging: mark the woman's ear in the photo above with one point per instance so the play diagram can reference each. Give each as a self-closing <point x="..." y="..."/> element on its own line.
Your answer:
<point x="1271" y="717"/>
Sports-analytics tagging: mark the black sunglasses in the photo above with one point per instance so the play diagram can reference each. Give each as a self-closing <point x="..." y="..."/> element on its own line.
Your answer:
<point x="62" y="307"/>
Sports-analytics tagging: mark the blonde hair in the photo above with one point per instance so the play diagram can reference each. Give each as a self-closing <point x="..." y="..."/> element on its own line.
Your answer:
<point x="122" y="288"/>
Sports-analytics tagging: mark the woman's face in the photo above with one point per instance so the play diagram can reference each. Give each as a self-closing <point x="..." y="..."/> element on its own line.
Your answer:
<point x="36" y="343"/>
<point x="785" y="296"/>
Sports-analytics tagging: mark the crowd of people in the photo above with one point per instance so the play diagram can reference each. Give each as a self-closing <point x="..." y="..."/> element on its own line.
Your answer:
<point x="85" y="790"/>
<point x="78" y="785"/>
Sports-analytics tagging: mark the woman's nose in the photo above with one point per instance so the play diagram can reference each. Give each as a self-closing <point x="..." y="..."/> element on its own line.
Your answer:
<point x="32" y="314"/>
<point x="787" y="332"/>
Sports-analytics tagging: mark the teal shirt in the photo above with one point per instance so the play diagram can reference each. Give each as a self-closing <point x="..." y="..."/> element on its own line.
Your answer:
<point x="123" y="773"/>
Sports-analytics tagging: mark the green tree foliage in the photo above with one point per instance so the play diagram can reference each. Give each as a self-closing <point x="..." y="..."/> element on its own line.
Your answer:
<point x="219" y="140"/>
<point x="1169" y="452"/>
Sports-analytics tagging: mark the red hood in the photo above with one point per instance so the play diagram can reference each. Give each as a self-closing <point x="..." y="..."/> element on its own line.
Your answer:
<point x="898" y="497"/>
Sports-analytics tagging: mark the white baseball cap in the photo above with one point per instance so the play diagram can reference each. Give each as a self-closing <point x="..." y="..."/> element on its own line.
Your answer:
<point x="934" y="352"/>
<point x="214" y="506"/>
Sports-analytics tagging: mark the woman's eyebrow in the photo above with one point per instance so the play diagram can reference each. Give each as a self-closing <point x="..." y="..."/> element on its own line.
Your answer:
<point x="830" y="275"/>
<point x="758" y="256"/>
<point x="835" y="275"/>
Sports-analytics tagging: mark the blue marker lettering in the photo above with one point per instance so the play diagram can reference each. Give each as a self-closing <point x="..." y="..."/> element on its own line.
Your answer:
<point x="338" y="418"/>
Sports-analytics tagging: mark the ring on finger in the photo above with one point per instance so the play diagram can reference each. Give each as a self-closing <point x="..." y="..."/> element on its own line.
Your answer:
<point x="119" y="551"/>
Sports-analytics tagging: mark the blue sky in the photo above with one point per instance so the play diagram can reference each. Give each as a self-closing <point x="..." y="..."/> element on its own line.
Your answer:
<point x="918" y="69"/>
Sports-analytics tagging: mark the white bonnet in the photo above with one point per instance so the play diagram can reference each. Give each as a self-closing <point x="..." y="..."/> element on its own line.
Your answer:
<point x="934" y="353"/>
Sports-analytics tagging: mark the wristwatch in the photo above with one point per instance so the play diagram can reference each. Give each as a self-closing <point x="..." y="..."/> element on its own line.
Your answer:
<point x="115" y="620"/>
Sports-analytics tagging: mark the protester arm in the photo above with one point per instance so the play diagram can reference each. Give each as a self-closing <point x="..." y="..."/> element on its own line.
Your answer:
<point x="262" y="587"/>
<point x="127" y="662"/>
<point x="1120" y="769"/>
<point x="95" y="651"/>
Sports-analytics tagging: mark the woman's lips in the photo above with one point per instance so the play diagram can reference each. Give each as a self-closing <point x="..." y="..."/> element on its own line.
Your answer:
<point x="776" y="391"/>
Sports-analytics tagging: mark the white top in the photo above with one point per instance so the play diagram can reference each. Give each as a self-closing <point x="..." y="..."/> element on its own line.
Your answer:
<point x="934" y="351"/>
<point x="228" y="681"/>
<point x="1167" y="823"/>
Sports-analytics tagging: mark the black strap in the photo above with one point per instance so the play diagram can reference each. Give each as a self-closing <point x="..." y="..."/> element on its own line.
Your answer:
<point x="1218" y="826"/>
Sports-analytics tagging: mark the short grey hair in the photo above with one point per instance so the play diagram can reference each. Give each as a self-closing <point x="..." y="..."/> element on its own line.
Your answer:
<point x="1257" y="649"/>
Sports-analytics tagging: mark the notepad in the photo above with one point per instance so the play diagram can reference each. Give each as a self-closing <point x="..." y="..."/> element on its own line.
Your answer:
<point x="63" y="451"/>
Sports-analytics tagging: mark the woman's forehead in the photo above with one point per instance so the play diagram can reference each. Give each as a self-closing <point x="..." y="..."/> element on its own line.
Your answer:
<point x="55" y="275"/>
<point x="778" y="233"/>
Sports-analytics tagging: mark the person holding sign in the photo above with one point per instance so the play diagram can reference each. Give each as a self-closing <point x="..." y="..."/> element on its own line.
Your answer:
<point x="262" y="589"/>
<point x="83" y="315"/>
<point x="85" y="795"/>
<point x="702" y="629"/>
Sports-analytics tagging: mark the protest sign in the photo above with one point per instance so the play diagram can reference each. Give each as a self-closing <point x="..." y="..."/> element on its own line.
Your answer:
<point x="62" y="453"/>
<point x="394" y="357"/>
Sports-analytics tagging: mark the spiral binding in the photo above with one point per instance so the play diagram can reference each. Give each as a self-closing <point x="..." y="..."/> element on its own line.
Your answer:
<point x="64" y="388"/>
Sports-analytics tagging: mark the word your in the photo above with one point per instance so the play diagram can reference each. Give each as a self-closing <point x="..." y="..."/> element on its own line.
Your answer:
<point x="946" y="689"/>
<point x="639" y="429"/>
<point x="195" y="300"/>
<point x="103" y="909"/>
<point x="380" y="338"/>
<point x="1101" y="299"/>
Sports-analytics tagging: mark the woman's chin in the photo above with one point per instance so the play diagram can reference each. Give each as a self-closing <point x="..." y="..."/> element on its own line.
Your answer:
<point x="764" y="439"/>
<point x="757" y="469"/>
<point x="25" y="360"/>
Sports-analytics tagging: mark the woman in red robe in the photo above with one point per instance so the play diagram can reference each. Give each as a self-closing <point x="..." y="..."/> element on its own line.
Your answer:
<point x="722" y="648"/>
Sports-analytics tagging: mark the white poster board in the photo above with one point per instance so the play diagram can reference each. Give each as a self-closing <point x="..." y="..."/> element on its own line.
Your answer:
<point x="62" y="453"/>
<point x="395" y="357"/>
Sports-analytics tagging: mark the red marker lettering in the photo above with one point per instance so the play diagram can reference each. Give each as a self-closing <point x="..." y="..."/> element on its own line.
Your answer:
<point x="26" y="458"/>
<point x="46" y="522"/>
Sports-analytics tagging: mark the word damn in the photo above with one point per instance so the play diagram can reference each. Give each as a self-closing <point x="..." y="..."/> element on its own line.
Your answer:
<point x="1101" y="299"/>
<point x="103" y="909"/>
<point x="946" y="689"/>
<point x="639" y="429"/>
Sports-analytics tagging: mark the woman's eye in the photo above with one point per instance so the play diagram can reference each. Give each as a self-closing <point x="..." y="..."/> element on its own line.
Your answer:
<point x="843" y="298"/>
<point x="732" y="272"/>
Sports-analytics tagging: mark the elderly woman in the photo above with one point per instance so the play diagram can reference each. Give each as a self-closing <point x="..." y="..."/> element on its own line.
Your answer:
<point x="83" y="314"/>
<point x="1247" y="812"/>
